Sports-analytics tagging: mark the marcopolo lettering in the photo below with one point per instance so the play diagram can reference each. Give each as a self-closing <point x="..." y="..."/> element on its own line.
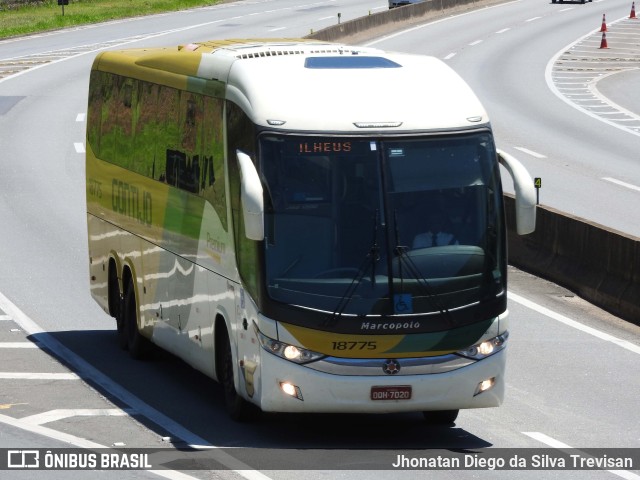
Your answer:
<point x="390" y="326"/>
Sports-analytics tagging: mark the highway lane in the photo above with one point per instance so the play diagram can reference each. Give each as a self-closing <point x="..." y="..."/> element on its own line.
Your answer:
<point x="503" y="52"/>
<point x="561" y="379"/>
<point x="250" y="18"/>
<point x="621" y="89"/>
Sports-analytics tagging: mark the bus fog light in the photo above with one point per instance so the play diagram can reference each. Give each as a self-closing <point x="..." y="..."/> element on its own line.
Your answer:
<point x="485" y="385"/>
<point x="291" y="390"/>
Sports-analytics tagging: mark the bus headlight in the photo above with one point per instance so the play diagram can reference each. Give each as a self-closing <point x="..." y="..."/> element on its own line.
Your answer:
<point x="485" y="348"/>
<point x="286" y="351"/>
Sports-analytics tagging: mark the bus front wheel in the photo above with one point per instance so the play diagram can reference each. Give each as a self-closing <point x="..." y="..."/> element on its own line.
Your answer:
<point x="238" y="408"/>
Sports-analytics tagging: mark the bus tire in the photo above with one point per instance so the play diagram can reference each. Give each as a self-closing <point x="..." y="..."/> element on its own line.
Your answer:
<point x="116" y="306"/>
<point x="137" y="345"/>
<point x="237" y="407"/>
<point x="123" y="341"/>
<point x="443" y="418"/>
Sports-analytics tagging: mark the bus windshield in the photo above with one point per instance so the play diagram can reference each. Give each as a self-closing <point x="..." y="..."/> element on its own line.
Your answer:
<point x="382" y="226"/>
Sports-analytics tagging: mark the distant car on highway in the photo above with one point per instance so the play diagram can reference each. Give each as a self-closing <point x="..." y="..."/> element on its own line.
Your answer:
<point x="562" y="1"/>
<point x="402" y="3"/>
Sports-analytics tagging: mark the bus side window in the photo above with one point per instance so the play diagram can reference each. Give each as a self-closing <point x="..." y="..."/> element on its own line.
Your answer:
<point x="108" y="126"/>
<point x="207" y="173"/>
<point x="124" y="121"/>
<point x="168" y="131"/>
<point x="175" y="160"/>
<point x="97" y="93"/>
<point x="146" y="126"/>
<point x="211" y="149"/>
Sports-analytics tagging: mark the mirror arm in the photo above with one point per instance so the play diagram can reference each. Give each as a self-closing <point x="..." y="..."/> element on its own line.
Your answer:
<point x="525" y="193"/>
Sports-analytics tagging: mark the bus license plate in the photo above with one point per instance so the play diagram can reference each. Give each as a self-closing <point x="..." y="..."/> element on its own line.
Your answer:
<point x="391" y="392"/>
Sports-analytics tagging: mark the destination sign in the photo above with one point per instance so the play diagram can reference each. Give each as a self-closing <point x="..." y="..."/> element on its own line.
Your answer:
<point x="325" y="147"/>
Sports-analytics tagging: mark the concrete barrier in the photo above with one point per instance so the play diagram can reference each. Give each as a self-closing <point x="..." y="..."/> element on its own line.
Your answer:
<point x="389" y="20"/>
<point x="599" y="264"/>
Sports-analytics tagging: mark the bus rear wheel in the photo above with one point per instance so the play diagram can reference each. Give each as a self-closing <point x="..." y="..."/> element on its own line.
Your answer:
<point x="441" y="418"/>
<point x="137" y="345"/>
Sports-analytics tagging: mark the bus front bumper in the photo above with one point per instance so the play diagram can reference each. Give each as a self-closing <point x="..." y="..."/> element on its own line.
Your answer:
<point x="321" y="392"/>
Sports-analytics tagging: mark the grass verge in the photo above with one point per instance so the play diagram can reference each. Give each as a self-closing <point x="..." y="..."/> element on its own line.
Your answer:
<point x="20" y="17"/>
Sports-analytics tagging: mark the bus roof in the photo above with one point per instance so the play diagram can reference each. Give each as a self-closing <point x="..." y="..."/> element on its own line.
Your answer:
<point x="306" y="85"/>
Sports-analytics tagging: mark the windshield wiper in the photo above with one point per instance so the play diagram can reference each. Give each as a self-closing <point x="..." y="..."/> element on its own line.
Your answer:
<point x="368" y="263"/>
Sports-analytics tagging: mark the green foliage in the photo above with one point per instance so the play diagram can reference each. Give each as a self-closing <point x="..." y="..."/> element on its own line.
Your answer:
<point x="23" y="17"/>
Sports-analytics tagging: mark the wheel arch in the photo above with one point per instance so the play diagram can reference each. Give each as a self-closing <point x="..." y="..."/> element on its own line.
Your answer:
<point x="115" y="286"/>
<point x="220" y="330"/>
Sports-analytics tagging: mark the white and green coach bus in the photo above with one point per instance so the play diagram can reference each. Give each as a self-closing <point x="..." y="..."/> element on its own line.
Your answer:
<point x="253" y="208"/>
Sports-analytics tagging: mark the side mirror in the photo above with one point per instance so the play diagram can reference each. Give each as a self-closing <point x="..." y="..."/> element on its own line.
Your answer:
<point x="251" y="196"/>
<point x="525" y="193"/>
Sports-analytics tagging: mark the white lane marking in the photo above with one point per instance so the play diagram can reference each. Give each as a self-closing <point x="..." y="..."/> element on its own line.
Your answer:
<point x="92" y="374"/>
<point x="621" y="183"/>
<point x="548" y="74"/>
<point x="552" y="442"/>
<point x="424" y="25"/>
<point x="574" y="324"/>
<point x="326" y="18"/>
<point x="79" y="442"/>
<point x="79" y="147"/>
<point x="450" y="56"/>
<point x="542" y="438"/>
<point x="530" y="152"/>
<point x="81" y="117"/>
<point x="60" y="414"/>
<point x="277" y="29"/>
<point x="18" y="345"/>
<point x="38" y="376"/>
<point x="48" y="432"/>
<point x="503" y="30"/>
<point x="473" y="44"/>
<point x="533" y="19"/>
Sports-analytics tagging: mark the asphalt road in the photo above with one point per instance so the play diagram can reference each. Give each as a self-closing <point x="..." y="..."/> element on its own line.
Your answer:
<point x="622" y="89"/>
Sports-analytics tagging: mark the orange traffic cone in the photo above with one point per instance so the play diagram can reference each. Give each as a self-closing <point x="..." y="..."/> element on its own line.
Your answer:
<point x="633" y="10"/>
<point x="604" y="24"/>
<point x="603" y="43"/>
